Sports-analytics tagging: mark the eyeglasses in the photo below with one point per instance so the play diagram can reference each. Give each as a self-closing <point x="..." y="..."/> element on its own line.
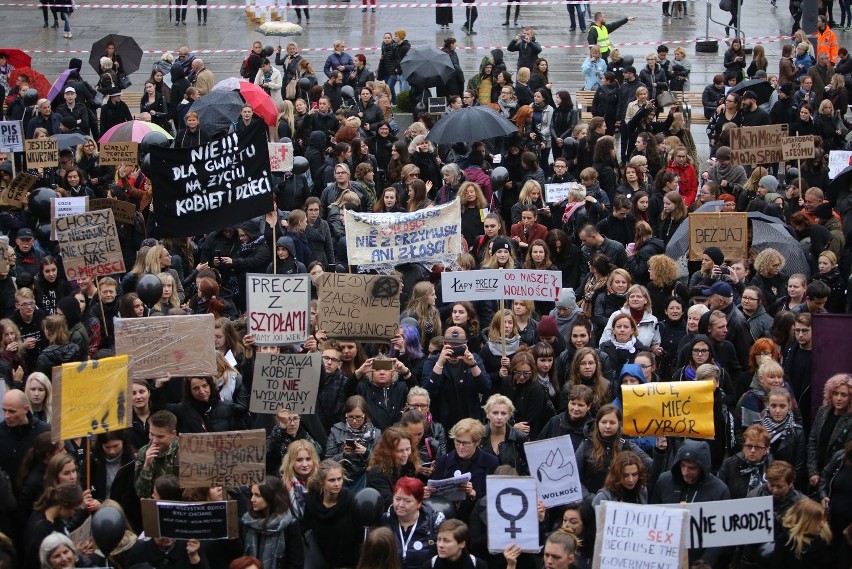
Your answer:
<point x="355" y="417"/>
<point x="524" y="374"/>
<point x="505" y="92"/>
<point x="801" y="330"/>
<point x="26" y="304"/>
<point x="467" y="97"/>
<point x="750" y="298"/>
<point x="295" y="419"/>
<point x="754" y="447"/>
<point x="419" y="405"/>
<point x="463" y="444"/>
<point x="645" y="366"/>
<point x="700" y="351"/>
<point x="330" y="359"/>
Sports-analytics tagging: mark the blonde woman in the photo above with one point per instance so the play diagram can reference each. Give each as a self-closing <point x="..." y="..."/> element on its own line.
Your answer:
<point x="286" y="121"/>
<point x="159" y="260"/>
<point x="421" y="307"/>
<point x="300" y="463"/>
<point x="12" y="351"/>
<point x="805" y="537"/>
<point x="168" y="299"/>
<point x="492" y="347"/>
<point x="39" y="395"/>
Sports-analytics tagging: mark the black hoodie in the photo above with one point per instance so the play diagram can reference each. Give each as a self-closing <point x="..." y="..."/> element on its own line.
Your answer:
<point x="179" y="86"/>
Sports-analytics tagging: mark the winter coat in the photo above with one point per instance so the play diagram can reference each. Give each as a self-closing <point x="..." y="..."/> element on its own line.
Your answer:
<point x="385" y="403"/>
<point x="382" y="482"/>
<point x="276" y="541"/>
<point x="421" y="544"/>
<point x="562" y="425"/>
<point x="840" y="435"/>
<point x="637" y="264"/>
<point x="527" y="52"/>
<point x="56" y="355"/>
<point x="356" y="464"/>
<point x="480" y="465"/>
<point x="215" y="416"/>
<point x="510" y="451"/>
<point x="647" y="332"/>
<point x="592" y="477"/>
<point x="741" y="476"/>
<point x="334" y="529"/>
<point x="441" y="387"/>
<point x="671" y="488"/>
<point x="531" y="403"/>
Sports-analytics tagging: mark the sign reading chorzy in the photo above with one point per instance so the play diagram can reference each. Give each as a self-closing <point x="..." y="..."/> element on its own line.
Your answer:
<point x="431" y="235"/>
<point x="496" y="284"/>
<point x="218" y="185"/>
<point x="278" y="308"/>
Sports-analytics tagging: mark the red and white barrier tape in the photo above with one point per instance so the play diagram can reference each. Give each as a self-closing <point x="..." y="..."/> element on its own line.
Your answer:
<point x="346" y="5"/>
<point x="764" y="39"/>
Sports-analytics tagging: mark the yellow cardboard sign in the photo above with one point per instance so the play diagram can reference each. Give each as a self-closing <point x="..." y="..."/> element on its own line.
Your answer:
<point x="669" y="409"/>
<point x="91" y="397"/>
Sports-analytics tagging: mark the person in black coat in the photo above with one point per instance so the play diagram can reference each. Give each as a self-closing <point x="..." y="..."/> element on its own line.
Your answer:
<point x="202" y="410"/>
<point x="191" y="136"/>
<point x="510" y="450"/>
<point x="328" y="520"/>
<point x="455" y="84"/>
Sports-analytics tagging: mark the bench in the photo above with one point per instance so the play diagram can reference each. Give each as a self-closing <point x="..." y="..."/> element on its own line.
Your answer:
<point x="689" y="100"/>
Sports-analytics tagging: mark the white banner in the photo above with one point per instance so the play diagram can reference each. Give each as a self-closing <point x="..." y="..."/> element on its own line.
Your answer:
<point x="837" y="161"/>
<point x="11" y="136"/>
<point x="431" y="235"/>
<point x="496" y="284"/>
<point x="512" y="513"/>
<point x="730" y="522"/>
<point x="554" y="467"/>
<point x="277" y="308"/>
<point x="634" y="535"/>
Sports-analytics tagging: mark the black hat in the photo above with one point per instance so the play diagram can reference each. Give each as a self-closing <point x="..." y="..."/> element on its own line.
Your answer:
<point x="716" y="254"/>
<point x="787" y="89"/>
<point x="630" y="69"/>
<point x="750" y="95"/>
<point x="25" y="233"/>
<point x="823" y="211"/>
<point x="75" y="63"/>
<point x="500" y="243"/>
<point x="69" y="122"/>
<point x="115" y="91"/>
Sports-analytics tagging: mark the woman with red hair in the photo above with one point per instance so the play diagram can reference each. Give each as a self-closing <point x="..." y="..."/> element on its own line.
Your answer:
<point x="211" y="301"/>
<point x="246" y="562"/>
<point x="413" y="523"/>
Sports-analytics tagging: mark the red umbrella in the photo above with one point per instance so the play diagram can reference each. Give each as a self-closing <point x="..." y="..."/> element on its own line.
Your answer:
<point x="37" y="81"/>
<point x="16" y="57"/>
<point x="260" y="101"/>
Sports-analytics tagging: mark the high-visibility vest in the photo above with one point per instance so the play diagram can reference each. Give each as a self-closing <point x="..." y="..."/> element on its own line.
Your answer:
<point x="603" y="38"/>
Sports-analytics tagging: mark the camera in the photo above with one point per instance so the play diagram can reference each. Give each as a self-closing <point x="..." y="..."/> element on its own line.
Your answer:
<point x="458" y="351"/>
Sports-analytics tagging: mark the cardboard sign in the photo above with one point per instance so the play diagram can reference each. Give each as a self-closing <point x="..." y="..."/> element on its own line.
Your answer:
<point x="83" y="532"/>
<point x="11" y="136"/>
<point x="798" y="147"/>
<point x="512" y="513"/>
<point x="553" y="465"/>
<point x="190" y="520"/>
<point x="634" y="535"/>
<point x="76" y="412"/>
<point x="757" y="144"/>
<point x="358" y="306"/>
<point x="228" y="459"/>
<point x="726" y="230"/>
<point x="4" y="254"/>
<point x="123" y="212"/>
<point x="157" y="345"/>
<point x="669" y="409"/>
<point x="88" y="243"/>
<point x="65" y="206"/>
<point x="496" y="284"/>
<point x="838" y="160"/>
<point x="281" y="156"/>
<point x="289" y="381"/>
<point x="42" y="153"/>
<point x="730" y="522"/>
<point x="431" y="235"/>
<point x="15" y="194"/>
<point x="118" y="153"/>
<point x="277" y="308"/>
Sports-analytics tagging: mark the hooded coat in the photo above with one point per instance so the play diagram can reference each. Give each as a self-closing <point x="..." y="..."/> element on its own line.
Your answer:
<point x="671" y="488"/>
<point x="290" y="265"/>
<point x="76" y="330"/>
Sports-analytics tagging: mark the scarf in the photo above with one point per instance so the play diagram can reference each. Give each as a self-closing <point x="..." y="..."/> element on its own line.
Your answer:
<point x="264" y="538"/>
<point x="544" y="381"/>
<point x="629" y="345"/>
<point x="689" y="372"/>
<point x="570" y="209"/>
<point x="637" y="315"/>
<point x="777" y="431"/>
<point x="512" y="345"/>
<point x="753" y="472"/>
<point x="251" y="245"/>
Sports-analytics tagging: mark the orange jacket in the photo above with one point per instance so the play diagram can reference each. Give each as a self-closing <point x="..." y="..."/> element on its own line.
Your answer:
<point x="827" y="42"/>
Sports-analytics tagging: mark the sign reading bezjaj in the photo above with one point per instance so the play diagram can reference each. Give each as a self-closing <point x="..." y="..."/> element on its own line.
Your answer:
<point x="431" y="235"/>
<point x="220" y="184"/>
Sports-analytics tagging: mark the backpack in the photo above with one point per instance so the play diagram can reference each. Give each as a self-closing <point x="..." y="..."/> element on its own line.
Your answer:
<point x="244" y="68"/>
<point x="725" y="5"/>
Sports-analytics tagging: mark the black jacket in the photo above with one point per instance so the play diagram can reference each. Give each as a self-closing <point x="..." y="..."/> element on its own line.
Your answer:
<point x="215" y="417"/>
<point x="481" y="465"/>
<point x="55" y="355"/>
<point x="16" y="441"/>
<point x="840" y="435"/>
<point x="510" y="451"/>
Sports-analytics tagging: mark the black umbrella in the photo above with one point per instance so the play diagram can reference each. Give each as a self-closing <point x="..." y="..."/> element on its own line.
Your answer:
<point x="69" y="140"/>
<point x="470" y="125"/>
<point x="761" y="87"/>
<point x="125" y="46"/>
<point x="426" y="67"/>
<point x="763" y="217"/>
<point x="217" y="111"/>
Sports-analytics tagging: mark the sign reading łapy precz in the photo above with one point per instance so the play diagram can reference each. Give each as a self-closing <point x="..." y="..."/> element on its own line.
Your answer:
<point x="11" y="136"/>
<point x="42" y="153"/>
<point x="118" y="153"/>
<point x="289" y="381"/>
<point x="726" y="230"/>
<point x="159" y="345"/>
<point x="757" y="144"/>
<point x="277" y="308"/>
<point x="88" y="243"/>
<point x="798" y="147"/>
<point x="495" y="284"/>
<point x="228" y="459"/>
<point x="431" y="235"/>
<point x="211" y="187"/>
<point x="358" y="306"/>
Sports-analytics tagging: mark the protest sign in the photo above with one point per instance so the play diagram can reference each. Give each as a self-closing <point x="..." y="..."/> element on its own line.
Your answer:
<point x="157" y="345"/>
<point x="123" y="212"/>
<point x="210" y="187"/>
<point x="83" y="532"/>
<point x="496" y="284"/>
<point x="190" y="520"/>
<point x="448" y="488"/>
<point x="757" y="144"/>
<point x="4" y="254"/>
<point x="88" y="243"/>
<point x="431" y="235"/>
<point x="42" y="153"/>
<point x="76" y="413"/>
<point x="228" y="459"/>
<point x="11" y="136"/>
<point x="838" y="160"/>
<point x="358" y="306"/>
<point x="118" y="153"/>
<point x="554" y="467"/>
<point x="65" y="206"/>
<point x="634" y="535"/>
<point x="798" y="147"/>
<point x="280" y="156"/>
<point x="558" y="193"/>
<point x="730" y="522"/>
<point x="15" y="194"/>
<point x="669" y="409"/>
<point x="512" y="513"/>
<point x="277" y="308"/>
<point x="289" y="381"/>
<point x="726" y="230"/>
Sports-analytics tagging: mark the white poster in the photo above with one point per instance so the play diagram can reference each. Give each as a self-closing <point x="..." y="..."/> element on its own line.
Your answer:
<point x="449" y="487"/>
<point x="65" y="206"/>
<point x="11" y="136"/>
<point x="277" y="308"/>
<point x="837" y="161"/>
<point x="554" y="467"/>
<point x="281" y="156"/>
<point x="730" y="522"/>
<point x="288" y="381"/>
<point x="512" y="513"/>
<point x="557" y="193"/>
<point x="634" y="535"/>
<point x="496" y="284"/>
